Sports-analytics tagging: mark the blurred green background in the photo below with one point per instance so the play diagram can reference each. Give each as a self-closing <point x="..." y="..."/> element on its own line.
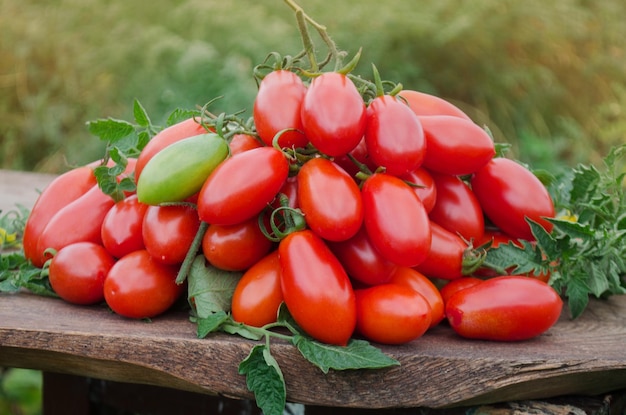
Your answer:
<point x="547" y="77"/>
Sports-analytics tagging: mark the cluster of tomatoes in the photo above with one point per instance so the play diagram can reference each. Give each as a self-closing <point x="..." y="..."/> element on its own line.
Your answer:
<point x="347" y="211"/>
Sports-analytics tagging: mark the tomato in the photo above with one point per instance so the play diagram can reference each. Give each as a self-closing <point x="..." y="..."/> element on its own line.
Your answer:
<point x="333" y="114"/>
<point x="235" y="247"/>
<point x="277" y="107"/>
<point x="79" y="221"/>
<point x="425" y="187"/>
<point x="422" y="103"/>
<point x="63" y="190"/>
<point x="391" y="313"/>
<point x="509" y="193"/>
<point x="423" y="285"/>
<point x="330" y="200"/>
<point x="504" y="308"/>
<point x="361" y="260"/>
<point x="258" y="294"/>
<point x="179" y="170"/>
<point x="243" y="142"/>
<point x="77" y="272"/>
<point x="455" y="145"/>
<point x="316" y="288"/>
<point x="168" y="232"/>
<point x="457" y="208"/>
<point x="240" y="187"/>
<point x="121" y="230"/>
<point x="394" y="136"/>
<point x="395" y="219"/>
<point x="290" y="191"/>
<point x="446" y="255"/>
<point x="453" y="286"/>
<point x="187" y="128"/>
<point x="137" y="286"/>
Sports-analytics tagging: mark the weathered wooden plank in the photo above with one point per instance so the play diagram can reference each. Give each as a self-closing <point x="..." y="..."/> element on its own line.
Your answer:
<point x="438" y="370"/>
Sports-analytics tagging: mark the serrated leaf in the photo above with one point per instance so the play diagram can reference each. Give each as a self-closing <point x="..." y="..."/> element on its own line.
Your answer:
<point x="241" y="330"/>
<point x="357" y="354"/>
<point x="510" y="258"/>
<point x="211" y="323"/>
<point x="210" y="289"/>
<point x="110" y="129"/>
<point x="180" y="114"/>
<point x="141" y="116"/>
<point x="265" y="379"/>
<point x="577" y="292"/>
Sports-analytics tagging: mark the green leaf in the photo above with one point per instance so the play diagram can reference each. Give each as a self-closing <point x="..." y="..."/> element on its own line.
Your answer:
<point x="141" y="116"/>
<point x="179" y="115"/>
<point x="358" y="354"/>
<point x="211" y="323"/>
<point x="577" y="292"/>
<point x="210" y="289"/>
<point x="265" y="379"/>
<point x="110" y="129"/>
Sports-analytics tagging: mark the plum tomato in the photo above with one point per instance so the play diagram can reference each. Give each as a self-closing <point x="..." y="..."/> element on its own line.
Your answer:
<point x="235" y="247"/>
<point x="333" y="114"/>
<point x="121" y="230"/>
<point x="509" y="193"/>
<point x="277" y="107"/>
<point x="427" y="104"/>
<point x="455" y="145"/>
<point x="453" y="286"/>
<point x="258" y="294"/>
<point x="424" y="187"/>
<point x="391" y="313"/>
<point x="504" y="308"/>
<point x="446" y="256"/>
<point x="243" y="142"/>
<point x="330" y="200"/>
<point x="139" y="287"/>
<point x="77" y="272"/>
<point x="394" y="136"/>
<point x="242" y="186"/>
<point x="168" y="232"/>
<point x="395" y="220"/>
<point x="316" y="288"/>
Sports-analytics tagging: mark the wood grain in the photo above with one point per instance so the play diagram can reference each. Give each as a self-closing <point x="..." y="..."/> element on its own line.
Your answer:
<point x="584" y="356"/>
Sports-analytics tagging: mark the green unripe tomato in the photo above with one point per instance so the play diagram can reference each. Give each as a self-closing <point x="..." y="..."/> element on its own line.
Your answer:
<point x="179" y="170"/>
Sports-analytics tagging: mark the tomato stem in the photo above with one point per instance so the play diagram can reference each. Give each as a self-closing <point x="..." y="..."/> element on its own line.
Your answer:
<point x="183" y="272"/>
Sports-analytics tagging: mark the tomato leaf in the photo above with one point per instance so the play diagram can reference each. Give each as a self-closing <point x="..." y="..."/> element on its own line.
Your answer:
<point x="265" y="379"/>
<point x="141" y="116"/>
<point x="179" y="115"/>
<point x="358" y="354"/>
<point x="211" y="323"/>
<point x="210" y="289"/>
<point x="110" y="129"/>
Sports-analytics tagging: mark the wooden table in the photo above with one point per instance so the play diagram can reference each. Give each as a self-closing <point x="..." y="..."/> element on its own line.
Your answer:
<point x="439" y="370"/>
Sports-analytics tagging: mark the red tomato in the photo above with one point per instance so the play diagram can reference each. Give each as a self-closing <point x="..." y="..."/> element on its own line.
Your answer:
<point x="164" y="138"/>
<point x="361" y="260"/>
<point x="333" y="114"/>
<point x="168" y="232"/>
<point x="453" y="286"/>
<point x="330" y="200"/>
<point x="79" y="221"/>
<point x="277" y="107"/>
<point x="139" y="287"/>
<point x="121" y="229"/>
<point x="423" y="285"/>
<point x="454" y="145"/>
<point x="446" y="255"/>
<point x="391" y="313"/>
<point x="63" y="190"/>
<point x="394" y="136"/>
<point x="395" y="219"/>
<point x="505" y="308"/>
<point x="235" y="247"/>
<point x="426" y="104"/>
<point x="290" y="190"/>
<point x="457" y="208"/>
<point x="243" y="142"/>
<point x="240" y="187"/>
<point x="361" y="155"/>
<point x="77" y="272"/>
<point x="425" y="187"/>
<point x="316" y="288"/>
<point x="509" y="193"/>
<point x="258" y="294"/>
